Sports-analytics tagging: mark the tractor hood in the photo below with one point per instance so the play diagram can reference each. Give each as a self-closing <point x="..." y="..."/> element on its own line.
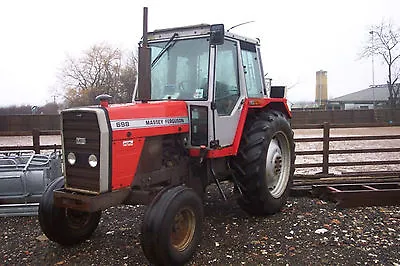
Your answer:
<point x="148" y="119"/>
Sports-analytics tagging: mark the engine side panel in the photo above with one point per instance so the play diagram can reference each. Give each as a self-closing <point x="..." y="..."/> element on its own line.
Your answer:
<point x="125" y="157"/>
<point x="135" y="124"/>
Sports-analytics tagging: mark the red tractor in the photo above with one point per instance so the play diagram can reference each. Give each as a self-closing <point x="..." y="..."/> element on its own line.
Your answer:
<point x="201" y="115"/>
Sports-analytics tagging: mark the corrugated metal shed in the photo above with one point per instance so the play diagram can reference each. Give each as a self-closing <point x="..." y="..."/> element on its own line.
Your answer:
<point x="379" y="93"/>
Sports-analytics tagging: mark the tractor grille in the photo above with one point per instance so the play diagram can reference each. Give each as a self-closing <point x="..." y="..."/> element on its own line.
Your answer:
<point x="81" y="135"/>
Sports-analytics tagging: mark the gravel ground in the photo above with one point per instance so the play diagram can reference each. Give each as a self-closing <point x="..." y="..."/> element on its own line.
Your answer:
<point x="308" y="231"/>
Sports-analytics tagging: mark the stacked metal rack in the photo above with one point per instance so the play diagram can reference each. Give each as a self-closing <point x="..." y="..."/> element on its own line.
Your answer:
<point x="24" y="176"/>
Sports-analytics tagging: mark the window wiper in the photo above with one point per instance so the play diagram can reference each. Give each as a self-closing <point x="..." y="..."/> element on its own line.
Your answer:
<point x="168" y="45"/>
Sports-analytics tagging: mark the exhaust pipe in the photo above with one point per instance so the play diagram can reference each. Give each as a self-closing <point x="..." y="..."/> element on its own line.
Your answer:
<point x="144" y="74"/>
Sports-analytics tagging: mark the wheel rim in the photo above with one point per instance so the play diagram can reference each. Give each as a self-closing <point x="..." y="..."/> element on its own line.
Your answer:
<point x="183" y="229"/>
<point x="278" y="165"/>
<point x="77" y="219"/>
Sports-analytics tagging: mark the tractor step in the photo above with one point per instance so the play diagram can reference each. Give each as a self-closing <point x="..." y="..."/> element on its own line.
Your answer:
<point x="28" y="209"/>
<point x="355" y="195"/>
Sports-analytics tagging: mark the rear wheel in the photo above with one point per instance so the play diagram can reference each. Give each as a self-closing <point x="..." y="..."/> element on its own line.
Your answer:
<point x="171" y="229"/>
<point x="62" y="225"/>
<point x="266" y="163"/>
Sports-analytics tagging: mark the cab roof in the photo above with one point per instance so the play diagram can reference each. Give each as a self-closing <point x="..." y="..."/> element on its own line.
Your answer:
<point x="192" y="31"/>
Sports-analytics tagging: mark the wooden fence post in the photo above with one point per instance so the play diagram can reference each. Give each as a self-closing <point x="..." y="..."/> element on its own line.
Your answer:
<point x="325" y="149"/>
<point x="36" y="140"/>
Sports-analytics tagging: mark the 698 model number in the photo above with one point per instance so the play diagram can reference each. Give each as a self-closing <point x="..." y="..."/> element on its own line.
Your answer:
<point x="120" y="124"/>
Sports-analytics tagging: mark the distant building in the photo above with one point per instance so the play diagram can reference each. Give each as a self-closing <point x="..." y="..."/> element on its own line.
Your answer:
<point x="374" y="96"/>
<point x="321" y="88"/>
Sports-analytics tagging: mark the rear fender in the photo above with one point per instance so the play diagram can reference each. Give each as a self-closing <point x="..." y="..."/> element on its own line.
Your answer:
<point x="277" y="104"/>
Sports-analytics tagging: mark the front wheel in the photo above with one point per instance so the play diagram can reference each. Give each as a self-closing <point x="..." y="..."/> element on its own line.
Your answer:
<point x="266" y="163"/>
<point x="62" y="225"/>
<point x="171" y="228"/>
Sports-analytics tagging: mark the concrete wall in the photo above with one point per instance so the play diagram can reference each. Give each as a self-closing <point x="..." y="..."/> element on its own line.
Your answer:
<point x="345" y="116"/>
<point x="52" y="122"/>
<point x="28" y="122"/>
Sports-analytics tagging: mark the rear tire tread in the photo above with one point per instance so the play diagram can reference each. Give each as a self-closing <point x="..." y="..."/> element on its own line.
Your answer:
<point x="252" y="150"/>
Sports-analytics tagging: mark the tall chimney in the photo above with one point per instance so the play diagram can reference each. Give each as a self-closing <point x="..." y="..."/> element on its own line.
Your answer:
<point x="321" y="88"/>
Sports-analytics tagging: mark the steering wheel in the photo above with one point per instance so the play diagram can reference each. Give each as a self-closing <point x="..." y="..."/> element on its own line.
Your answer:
<point x="184" y="90"/>
<point x="181" y="85"/>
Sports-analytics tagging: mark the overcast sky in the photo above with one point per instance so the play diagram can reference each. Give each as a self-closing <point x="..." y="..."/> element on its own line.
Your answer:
<point x="297" y="38"/>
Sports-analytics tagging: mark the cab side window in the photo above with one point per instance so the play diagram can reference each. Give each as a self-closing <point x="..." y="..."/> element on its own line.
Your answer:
<point x="252" y="72"/>
<point x="226" y="75"/>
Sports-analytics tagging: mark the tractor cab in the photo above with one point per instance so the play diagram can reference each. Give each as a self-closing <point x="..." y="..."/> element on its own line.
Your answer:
<point x="213" y="71"/>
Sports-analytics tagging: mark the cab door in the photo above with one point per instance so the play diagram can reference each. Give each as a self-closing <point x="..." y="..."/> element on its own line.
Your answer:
<point x="228" y="94"/>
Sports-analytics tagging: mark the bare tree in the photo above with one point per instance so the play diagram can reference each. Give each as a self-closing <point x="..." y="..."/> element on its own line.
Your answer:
<point x="384" y="42"/>
<point x="101" y="69"/>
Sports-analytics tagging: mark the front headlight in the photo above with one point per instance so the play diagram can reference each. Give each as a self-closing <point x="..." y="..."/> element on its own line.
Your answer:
<point x="71" y="158"/>
<point x="92" y="160"/>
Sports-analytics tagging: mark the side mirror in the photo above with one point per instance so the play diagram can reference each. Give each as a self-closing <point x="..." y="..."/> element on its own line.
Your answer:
<point x="217" y="34"/>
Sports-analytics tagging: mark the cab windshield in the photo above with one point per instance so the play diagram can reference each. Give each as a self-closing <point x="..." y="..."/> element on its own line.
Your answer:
<point x="180" y="69"/>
